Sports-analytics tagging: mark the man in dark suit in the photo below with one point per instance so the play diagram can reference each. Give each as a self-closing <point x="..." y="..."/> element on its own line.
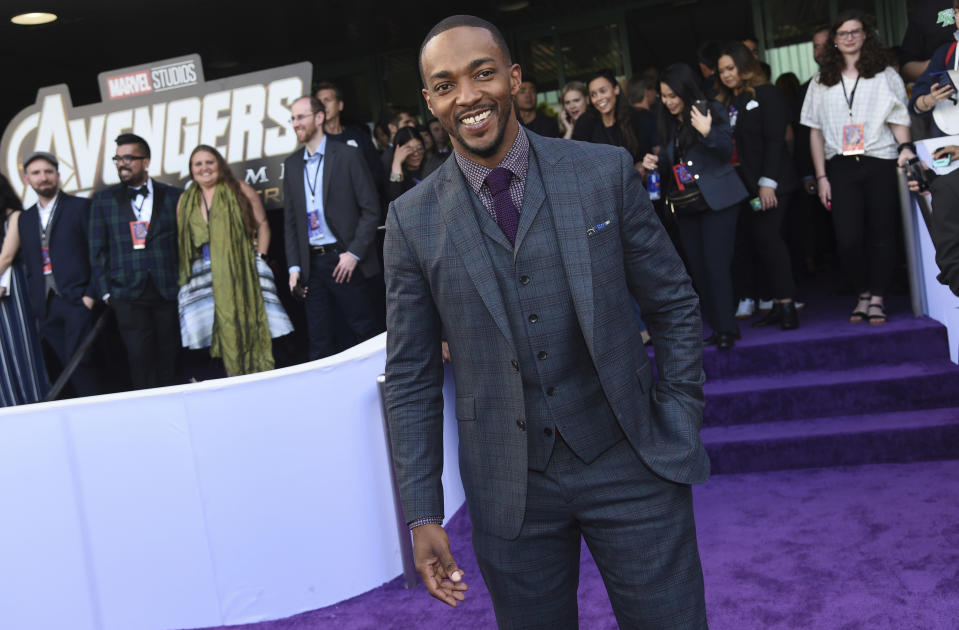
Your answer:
<point x="522" y="252"/>
<point x="528" y="115"/>
<point x="53" y="241"/>
<point x="330" y="215"/>
<point x="133" y="252"/>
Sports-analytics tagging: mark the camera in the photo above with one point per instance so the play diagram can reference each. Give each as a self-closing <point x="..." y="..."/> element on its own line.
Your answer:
<point x="922" y="176"/>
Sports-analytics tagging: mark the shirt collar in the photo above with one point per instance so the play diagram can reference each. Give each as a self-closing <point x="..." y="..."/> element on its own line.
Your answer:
<point x="320" y="150"/>
<point x="516" y="161"/>
<point x="53" y="202"/>
<point x="148" y="183"/>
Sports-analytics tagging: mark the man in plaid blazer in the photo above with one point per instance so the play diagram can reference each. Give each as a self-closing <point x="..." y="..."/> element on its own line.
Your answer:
<point x="524" y="253"/>
<point x="133" y="252"/>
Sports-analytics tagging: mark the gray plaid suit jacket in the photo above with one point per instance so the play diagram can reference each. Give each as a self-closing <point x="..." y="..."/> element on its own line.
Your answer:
<point x="439" y="278"/>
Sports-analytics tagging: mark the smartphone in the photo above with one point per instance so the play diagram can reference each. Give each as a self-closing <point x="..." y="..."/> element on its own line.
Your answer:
<point x="701" y="105"/>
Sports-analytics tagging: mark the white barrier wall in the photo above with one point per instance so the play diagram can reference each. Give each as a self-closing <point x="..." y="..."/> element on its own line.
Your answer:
<point x="940" y="304"/>
<point x="223" y="502"/>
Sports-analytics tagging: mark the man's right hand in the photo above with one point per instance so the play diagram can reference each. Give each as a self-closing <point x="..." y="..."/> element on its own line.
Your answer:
<point x="434" y="562"/>
<point x="294" y="278"/>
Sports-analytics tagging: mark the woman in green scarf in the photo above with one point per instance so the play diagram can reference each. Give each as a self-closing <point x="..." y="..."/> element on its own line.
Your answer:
<point x="227" y="293"/>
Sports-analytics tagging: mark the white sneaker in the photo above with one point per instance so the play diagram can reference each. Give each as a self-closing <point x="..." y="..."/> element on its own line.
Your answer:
<point x="765" y="305"/>
<point x="747" y="307"/>
<point x="800" y="306"/>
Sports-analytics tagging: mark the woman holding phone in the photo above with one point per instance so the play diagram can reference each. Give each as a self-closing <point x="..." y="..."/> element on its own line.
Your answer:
<point x="702" y="190"/>
<point x="575" y="101"/>
<point x="760" y="115"/>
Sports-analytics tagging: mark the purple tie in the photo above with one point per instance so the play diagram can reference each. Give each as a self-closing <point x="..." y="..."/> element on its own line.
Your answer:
<point x="507" y="216"/>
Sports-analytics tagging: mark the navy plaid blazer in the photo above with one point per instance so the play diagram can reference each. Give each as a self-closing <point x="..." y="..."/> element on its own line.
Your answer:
<point x="439" y="279"/>
<point x="120" y="270"/>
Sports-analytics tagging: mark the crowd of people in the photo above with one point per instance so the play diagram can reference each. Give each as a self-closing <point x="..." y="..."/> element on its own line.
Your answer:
<point x="728" y="159"/>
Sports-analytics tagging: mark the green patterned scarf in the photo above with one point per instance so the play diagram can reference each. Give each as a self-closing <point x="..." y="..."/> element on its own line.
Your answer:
<point x="241" y="332"/>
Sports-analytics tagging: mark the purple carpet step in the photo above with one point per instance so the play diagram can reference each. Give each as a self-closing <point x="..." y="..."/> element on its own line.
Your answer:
<point x="829" y="347"/>
<point x="815" y="394"/>
<point x="903" y="436"/>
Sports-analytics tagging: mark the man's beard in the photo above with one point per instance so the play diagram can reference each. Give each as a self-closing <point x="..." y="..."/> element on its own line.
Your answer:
<point x="46" y="193"/>
<point x="497" y="139"/>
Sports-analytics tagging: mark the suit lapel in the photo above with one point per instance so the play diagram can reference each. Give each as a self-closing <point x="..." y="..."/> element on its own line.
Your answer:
<point x="58" y="209"/>
<point x="533" y="197"/>
<point x="564" y="191"/>
<point x="156" y="217"/>
<point x="453" y="195"/>
<point x="122" y="199"/>
<point x="328" y="158"/>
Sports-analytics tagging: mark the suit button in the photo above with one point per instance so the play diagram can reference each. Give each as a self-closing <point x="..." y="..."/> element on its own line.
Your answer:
<point x="521" y="424"/>
<point x="515" y="364"/>
<point x="550" y="391"/>
<point x="689" y="163"/>
<point x="533" y="318"/>
<point x="696" y="176"/>
<point x="524" y="279"/>
<point x="541" y="355"/>
<point x="548" y="432"/>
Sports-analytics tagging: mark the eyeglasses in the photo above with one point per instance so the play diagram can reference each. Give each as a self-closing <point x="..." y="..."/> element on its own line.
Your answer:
<point x="417" y="151"/>
<point x="296" y="119"/>
<point x="853" y="34"/>
<point x="127" y="159"/>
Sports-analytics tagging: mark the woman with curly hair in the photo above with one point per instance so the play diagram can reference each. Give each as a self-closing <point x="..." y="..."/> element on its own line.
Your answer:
<point x="859" y="131"/>
<point x="227" y="297"/>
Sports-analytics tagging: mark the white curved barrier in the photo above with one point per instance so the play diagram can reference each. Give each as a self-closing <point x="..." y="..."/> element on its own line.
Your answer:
<point x="223" y="502"/>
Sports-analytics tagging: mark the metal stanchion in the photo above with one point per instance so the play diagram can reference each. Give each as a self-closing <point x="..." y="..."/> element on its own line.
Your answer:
<point x="402" y="531"/>
<point x="71" y="366"/>
<point x="917" y="293"/>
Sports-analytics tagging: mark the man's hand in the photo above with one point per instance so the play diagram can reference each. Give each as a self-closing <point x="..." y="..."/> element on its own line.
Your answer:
<point x="294" y="278"/>
<point x="344" y="269"/>
<point x="434" y="562"/>
<point x="88" y="302"/>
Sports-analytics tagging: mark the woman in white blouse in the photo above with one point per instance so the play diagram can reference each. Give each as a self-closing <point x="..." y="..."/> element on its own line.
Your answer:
<point x="856" y="110"/>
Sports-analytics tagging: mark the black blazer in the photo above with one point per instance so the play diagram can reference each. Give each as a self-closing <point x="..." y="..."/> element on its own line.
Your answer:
<point x="708" y="161"/>
<point x="69" y="253"/>
<point x="120" y="270"/>
<point x="944" y="228"/>
<point x="761" y="139"/>
<point x="350" y="206"/>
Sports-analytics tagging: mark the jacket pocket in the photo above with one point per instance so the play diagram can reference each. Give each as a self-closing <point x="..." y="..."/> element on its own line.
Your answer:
<point x="465" y="408"/>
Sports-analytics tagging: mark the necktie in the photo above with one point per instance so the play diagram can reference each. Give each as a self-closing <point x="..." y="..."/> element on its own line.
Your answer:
<point x="142" y="190"/>
<point x="507" y="215"/>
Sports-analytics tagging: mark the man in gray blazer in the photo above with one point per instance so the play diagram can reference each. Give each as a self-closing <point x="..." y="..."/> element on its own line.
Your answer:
<point x="524" y="254"/>
<point x="331" y="211"/>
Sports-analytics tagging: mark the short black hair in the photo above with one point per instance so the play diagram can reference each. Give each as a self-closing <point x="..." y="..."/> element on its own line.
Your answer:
<point x="531" y="81"/>
<point x="327" y="85"/>
<point x="132" y="138"/>
<point x="455" y="21"/>
<point x="708" y="54"/>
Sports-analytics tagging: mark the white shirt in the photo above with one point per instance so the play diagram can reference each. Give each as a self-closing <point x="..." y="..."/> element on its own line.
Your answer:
<point x="142" y="207"/>
<point x="879" y="102"/>
<point x="47" y="212"/>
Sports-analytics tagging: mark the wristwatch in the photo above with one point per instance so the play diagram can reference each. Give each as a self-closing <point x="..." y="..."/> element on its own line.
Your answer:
<point x="396" y="177"/>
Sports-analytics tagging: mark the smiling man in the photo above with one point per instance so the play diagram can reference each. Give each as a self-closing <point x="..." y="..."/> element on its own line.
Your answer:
<point x="522" y="253"/>
<point x="133" y="252"/>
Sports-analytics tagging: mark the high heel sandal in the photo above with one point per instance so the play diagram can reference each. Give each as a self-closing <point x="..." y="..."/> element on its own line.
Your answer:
<point x="877" y="318"/>
<point x="860" y="314"/>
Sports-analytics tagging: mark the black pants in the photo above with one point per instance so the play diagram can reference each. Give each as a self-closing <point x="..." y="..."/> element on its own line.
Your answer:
<point x="708" y="239"/>
<point x="150" y="328"/>
<point x="64" y="327"/>
<point x="771" y="262"/>
<point x="324" y="294"/>
<point x="865" y="202"/>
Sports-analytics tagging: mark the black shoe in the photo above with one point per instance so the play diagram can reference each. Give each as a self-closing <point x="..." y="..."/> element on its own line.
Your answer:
<point x="774" y="316"/>
<point x="711" y="340"/>
<point x="725" y="341"/>
<point x="790" y="316"/>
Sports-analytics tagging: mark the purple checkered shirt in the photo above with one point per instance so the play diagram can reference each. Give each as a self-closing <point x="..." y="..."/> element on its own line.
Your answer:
<point x="516" y="161"/>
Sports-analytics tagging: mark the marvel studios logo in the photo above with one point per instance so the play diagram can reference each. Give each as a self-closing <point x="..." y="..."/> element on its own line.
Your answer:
<point x="159" y="79"/>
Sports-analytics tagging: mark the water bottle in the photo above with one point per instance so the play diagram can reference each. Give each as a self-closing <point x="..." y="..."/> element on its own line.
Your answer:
<point x="652" y="185"/>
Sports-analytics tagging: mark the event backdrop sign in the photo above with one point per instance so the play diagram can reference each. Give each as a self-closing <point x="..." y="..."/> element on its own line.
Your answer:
<point x="171" y="105"/>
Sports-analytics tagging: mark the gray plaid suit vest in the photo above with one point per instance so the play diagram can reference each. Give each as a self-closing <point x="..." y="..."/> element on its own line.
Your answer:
<point x="561" y="388"/>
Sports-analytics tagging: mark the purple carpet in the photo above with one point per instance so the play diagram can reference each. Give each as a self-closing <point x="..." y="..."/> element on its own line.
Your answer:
<point x="828" y="509"/>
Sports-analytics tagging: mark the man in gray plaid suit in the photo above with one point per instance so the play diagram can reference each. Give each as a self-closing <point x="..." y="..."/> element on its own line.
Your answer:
<point x="523" y="252"/>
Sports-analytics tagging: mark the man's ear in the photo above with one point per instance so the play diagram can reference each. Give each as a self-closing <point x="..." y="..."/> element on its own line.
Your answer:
<point x="429" y="104"/>
<point x="515" y="78"/>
